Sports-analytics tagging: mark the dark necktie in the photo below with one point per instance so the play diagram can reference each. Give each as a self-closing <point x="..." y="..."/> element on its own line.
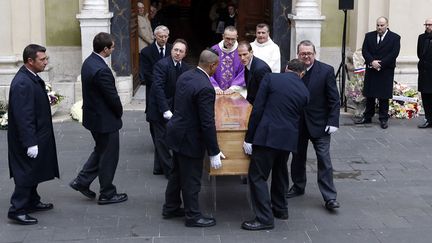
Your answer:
<point x="380" y="39"/>
<point x="177" y="68"/>
<point x="161" y="54"/>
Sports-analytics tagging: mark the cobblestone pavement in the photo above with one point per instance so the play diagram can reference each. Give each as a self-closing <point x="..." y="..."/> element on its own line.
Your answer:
<point x="383" y="178"/>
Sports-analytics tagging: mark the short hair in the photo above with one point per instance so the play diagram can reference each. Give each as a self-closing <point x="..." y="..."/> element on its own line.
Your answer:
<point x="306" y="43"/>
<point x="161" y="28"/>
<point x="208" y="56"/>
<point x="245" y="44"/>
<point x="383" y="17"/>
<point x="140" y="5"/>
<point x="31" y="51"/>
<point x="101" y="41"/>
<point x="183" y="41"/>
<point x="296" y="65"/>
<point x="230" y="28"/>
<point x="263" y="25"/>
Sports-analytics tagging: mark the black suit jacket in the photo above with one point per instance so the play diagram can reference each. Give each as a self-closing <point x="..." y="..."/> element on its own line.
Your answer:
<point x="274" y="121"/>
<point x="424" y="53"/>
<point x="102" y="108"/>
<point x="379" y="84"/>
<point x="254" y="76"/>
<point x="191" y="131"/>
<point x="162" y="92"/>
<point x="324" y="104"/>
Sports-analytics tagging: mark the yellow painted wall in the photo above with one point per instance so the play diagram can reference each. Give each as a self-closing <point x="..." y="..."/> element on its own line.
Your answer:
<point x="332" y="28"/>
<point x="62" y="27"/>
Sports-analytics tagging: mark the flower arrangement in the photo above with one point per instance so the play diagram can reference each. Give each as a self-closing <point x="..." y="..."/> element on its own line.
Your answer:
<point x="3" y="116"/>
<point x="405" y="103"/>
<point x="53" y="97"/>
<point x="354" y="86"/>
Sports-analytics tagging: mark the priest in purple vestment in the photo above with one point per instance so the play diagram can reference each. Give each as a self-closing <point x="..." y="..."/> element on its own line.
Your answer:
<point x="229" y="75"/>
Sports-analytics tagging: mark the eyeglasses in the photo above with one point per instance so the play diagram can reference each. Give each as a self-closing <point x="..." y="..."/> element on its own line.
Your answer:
<point x="304" y="54"/>
<point x="427" y="25"/>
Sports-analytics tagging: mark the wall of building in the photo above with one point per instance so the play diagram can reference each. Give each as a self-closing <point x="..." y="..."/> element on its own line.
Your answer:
<point x="61" y="23"/>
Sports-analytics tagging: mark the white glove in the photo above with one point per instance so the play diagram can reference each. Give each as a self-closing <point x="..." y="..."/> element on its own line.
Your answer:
<point x="247" y="147"/>
<point x="215" y="160"/>
<point x="229" y="91"/>
<point x="167" y="114"/>
<point x="218" y="91"/>
<point x="32" y="151"/>
<point x="330" y="129"/>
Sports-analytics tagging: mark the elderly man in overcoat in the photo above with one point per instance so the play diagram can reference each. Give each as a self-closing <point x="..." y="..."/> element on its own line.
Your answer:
<point x="31" y="144"/>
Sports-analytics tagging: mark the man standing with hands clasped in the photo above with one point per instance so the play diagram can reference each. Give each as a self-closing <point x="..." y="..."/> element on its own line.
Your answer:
<point x="273" y="131"/>
<point x="424" y="53"/>
<point x="380" y="50"/>
<point x="31" y="144"/>
<point x="318" y="121"/>
<point x="190" y="133"/>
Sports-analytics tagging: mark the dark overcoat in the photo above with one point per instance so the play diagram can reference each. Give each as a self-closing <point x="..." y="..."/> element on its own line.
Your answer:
<point x="379" y="84"/>
<point x="253" y="77"/>
<point x="29" y="124"/>
<point x="424" y="53"/>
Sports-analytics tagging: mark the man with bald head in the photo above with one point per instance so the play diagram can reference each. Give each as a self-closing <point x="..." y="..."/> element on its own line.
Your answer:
<point x="190" y="133"/>
<point x="380" y="50"/>
<point x="424" y="53"/>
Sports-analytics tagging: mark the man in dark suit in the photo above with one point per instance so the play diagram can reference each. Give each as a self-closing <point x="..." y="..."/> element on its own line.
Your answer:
<point x="380" y="50"/>
<point x="319" y="119"/>
<point x="102" y="112"/>
<point x="424" y="53"/>
<point x="255" y="69"/>
<point x="148" y="57"/>
<point x="273" y="131"/>
<point x="161" y="100"/>
<point x="31" y="144"/>
<point x="190" y="133"/>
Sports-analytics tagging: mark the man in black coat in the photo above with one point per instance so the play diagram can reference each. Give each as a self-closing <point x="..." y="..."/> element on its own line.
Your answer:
<point x="319" y="119"/>
<point x="31" y="144"/>
<point x="190" y="133"/>
<point x="102" y="112"/>
<point x="380" y="50"/>
<point x="161" y="100"/>
<point x="255" y="69"/>
<point x="424" y="53"/>
<point x="273" y="131"/>
<point x="149" y="56"/>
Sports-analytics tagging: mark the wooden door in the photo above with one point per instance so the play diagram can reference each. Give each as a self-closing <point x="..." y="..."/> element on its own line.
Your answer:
<point x="251" y="13"/>
<point x="134" y="53"/>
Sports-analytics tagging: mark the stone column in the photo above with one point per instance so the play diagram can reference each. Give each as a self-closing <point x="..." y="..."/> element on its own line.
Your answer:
<point x="94" y="18"/>
<point x="306" y="23"/>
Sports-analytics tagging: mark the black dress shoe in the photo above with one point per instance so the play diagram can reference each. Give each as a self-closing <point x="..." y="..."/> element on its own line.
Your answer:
<point x="383" y="124"/>
<point x="23" y="219"/>
<point x="84" y="190"/>
<point x="41" y="207"/>
<point x="116" y="198"/>
<point x="279" y="214"/>
<point x="294" y="192"/>
<point x="158" y="172"/>
<point x="256" y="225"/>
<point x="363" y="121"/>
<point x="201" y="222"/>
<point x="425" y="125"/>
<point x="332" y="204"/>
<point x="175" y="214"/>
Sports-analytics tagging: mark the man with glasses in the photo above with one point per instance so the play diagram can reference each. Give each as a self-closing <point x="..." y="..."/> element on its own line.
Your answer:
<point x="229" y="76"/>
<point x="319" y="119"/>
<point x="380" y="50"/>
<point x="148" y="57"/>
<point x="424" y="53"/>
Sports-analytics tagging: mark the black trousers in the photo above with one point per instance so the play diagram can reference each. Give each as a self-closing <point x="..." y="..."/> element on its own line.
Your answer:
<point x="162" y="152"/>
<point x="157" y="165"/>
<point x="383" y="109"/>
<point x="23" y="198"/>
<point x="263" y="161"/>
<point x="325" y="168"/>
<point x="102" y="163"/>
<point x="427" y="105"/>
<point x="185" y="178"/>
